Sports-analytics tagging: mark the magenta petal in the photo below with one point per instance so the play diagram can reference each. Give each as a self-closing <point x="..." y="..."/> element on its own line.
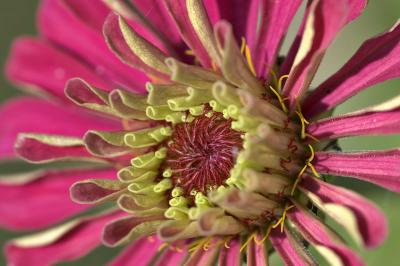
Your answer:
<point x="375" y="61"/>
<point x="38" y="116"/>
<point x="172" y="257"/>
<point x="370" y="219"/>
<point x="157" y="14"/>
<point x="44" y="200"/>
<point x="177" y="9"/>
<point x="140" y="253"/>
<point x="118" y="45"/>
<point x="357" y="124"/>
<point x="78" y="241"/>
<point x="320" y="235"/>
<point x="61" y="22"/>
<point x="34" y="150"/>
<point x="324" y="21"/>
<point x="276" y="17"/>
<point x="286" y="248"/>
<point x="39" y="65"/>
<point x="379" y="167"/>
<point x="230" y="256"/>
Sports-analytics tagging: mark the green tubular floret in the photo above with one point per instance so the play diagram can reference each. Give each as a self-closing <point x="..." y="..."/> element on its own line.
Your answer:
<point x="225" y="95"/>
<point x="179" y="201"/>
<point x="216" y="106"/>
<point x="201" y="200"/>
<point x="246" y="124"/>
<point x="149" y="161"/>
<point x="233" y="111"/>
<point x="158" y="112"/>
<point x="177" y="192"/>
<point x="149" y="176"/>
<point x="167" y="172"/>
<point x="196" y="110"/>
<point x="177" y="213"/>
<point x="163" y="185"/>
<point x="146" y="188"/>
<point x="159" y="94"/>
<point x="176" y="118"/>
<point x="144" y="138"/>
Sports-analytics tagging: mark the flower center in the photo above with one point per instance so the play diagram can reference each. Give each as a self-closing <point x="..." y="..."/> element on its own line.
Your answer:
<point x="202" y="153"/>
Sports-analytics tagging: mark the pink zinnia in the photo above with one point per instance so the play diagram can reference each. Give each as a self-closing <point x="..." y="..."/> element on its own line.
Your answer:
<point x="207" y="146"/>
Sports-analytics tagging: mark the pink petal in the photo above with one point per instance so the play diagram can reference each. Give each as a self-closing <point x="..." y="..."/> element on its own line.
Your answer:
<point x="157" y="14"/>
<point x="44" y="200"/>
<point x="60" y="22"/>
<point x="290" y="250"/>
<point x="177" y="9"/>
<point x="256" y="253"/>
<point x="276" y="17"/>
<point x="40" y="65"/>
<point x="140" y="253"/>
<point x="371" y="221"/>
<point x="118" y="45"/>
<point x="230" y="256"/>
<point x="355" y="8"/>
<point x="38" y="116"/>
<point x="324" y="21"/>
<point x="318" y="234"/>
<point x="73" y="244"/>
<point x="32" y="149"/>
<point x="357" y="124"/>
<point x="379" y="167"/>
<point x="375" y="61"/>
<point x="172" y="257"/>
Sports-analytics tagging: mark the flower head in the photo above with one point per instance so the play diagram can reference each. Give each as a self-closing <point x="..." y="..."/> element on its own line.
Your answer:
<point x="208" y="148"/>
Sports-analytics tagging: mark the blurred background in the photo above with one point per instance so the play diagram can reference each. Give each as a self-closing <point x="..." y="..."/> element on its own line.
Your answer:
<point x="17" y="18"/>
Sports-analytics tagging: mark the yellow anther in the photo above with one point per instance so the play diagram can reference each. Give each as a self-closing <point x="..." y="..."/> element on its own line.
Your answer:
<point x="189" y="52"/>
<point x="281" y="221"/>
<point x="280" y="81"/>
<point x="150" y="239"/>
<point x="206" y="245"/>
<point x="281" y="101"/>
<point x="274" y="78"/>
<point x="226" y="243"/>
<point x="214" y="66"/>
<point x="307" y="165"/>
<point x="249" y="61"/>
<point x="243" y="45"/>
<point x="163" y="245"/>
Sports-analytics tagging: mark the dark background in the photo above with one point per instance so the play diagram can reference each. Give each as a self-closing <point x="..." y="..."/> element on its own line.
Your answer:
<point x="17" y="17"/>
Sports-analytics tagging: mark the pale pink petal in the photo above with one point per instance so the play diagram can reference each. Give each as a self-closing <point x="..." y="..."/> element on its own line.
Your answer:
<point x="357" y="124"/>
<point x="379" y="167"/>
<point x="38" y="65"/>
<point x="257" y="254"/>
<point x="230" y="256"/>
<point x="36" y="150"/>
<point x="177" y="9"/>
<point x="38" y="116"/>
<point x="355" y="8"/>
<point x="60" y="22"/>
<point x="118" y="45"/>
<point x="43" y="200"/>
<point x="371" y="221"/>
<point x="140" y="253"/>
<point x="375" y="61"/>
<point x="290" y="249"/>
<point x="276" y="17"/>
<point x="76" y="242"/>
<point x="324" y="20"/>
<point x="319" y="235"/>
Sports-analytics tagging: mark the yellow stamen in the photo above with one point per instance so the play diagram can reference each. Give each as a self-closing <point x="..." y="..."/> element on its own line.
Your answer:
<point x="274" y="78"/>
<point x="163" y="245"/>
<point x="259" y="242"/>
<point x="226" y="242"/>
<point x="249" y="61"/>
<point x="243" y="45"/>
<point x="189" y="52"/>
<point x="281" y="221"/>
<point x="247" y="242"/>
<point x="280" y="81"/>
<point x="281" y="101"/>
<point x="307" y="165"/>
